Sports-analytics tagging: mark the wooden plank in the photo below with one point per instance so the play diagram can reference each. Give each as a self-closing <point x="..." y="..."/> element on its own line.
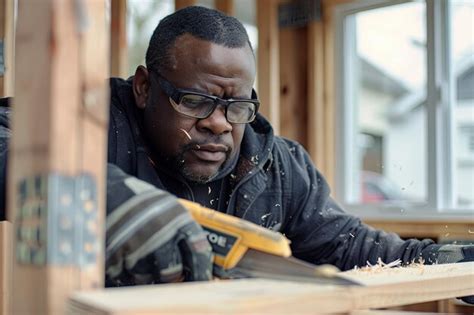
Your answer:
<point x="7" y="35"/>
<point x="179" y="4"/>
<point x="415" y="284"/>
<point x="118" y="39"/>
<point x="293" y="84"/>
<point x="385" y="288"/>
<point x="226" y="6"/>
<point x="5" y="267"/>
<point x="391" y="312"/>
<point x="59" y="126"/>
<point x="269" y="61"/>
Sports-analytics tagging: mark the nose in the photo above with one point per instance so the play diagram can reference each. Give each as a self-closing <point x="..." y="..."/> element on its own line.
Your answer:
<point x="215" y="123"/>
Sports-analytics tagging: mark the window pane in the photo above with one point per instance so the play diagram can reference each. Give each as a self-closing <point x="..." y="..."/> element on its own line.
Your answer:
<point x="389" y="80"/>
<point x="463" y="68"/>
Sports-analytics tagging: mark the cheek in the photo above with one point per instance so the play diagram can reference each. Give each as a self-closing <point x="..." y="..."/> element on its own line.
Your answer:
<point x="237" y="135"/>
<point x="164" y="129"/>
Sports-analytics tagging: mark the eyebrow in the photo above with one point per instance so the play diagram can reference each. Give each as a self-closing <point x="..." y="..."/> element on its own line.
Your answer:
<point x="192" y="90"/>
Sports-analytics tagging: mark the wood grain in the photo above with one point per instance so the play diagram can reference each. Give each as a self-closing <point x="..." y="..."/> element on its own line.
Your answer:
<point x="118" y="39"/>
<point x="226" y="6"/>
<point x="293" y="84"/>
<point x="317" y="129"/>
<point x="268" y="62"/>
<point x="5" y="267"/>
<point x="7" y="35"/>
<point x="256" y="296"/>
<point x="59" y="125"/>
<point x="179" y="4"/>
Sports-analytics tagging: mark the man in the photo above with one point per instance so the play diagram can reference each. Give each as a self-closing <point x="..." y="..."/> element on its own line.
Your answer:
<point x="188" y="123"/>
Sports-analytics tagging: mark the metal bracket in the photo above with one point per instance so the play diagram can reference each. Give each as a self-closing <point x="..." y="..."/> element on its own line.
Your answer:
<point x="57" y="220"/>
<point x="299" y="13"/>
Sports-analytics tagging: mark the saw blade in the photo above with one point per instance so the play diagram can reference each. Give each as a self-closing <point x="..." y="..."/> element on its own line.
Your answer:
<point x="257" y="264"/>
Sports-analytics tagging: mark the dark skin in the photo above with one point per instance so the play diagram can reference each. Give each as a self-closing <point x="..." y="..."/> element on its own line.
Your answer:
<point x="197" y="148"/>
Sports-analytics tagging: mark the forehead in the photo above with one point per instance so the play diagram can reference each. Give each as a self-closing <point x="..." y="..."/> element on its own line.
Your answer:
<point x="191" y="55"/>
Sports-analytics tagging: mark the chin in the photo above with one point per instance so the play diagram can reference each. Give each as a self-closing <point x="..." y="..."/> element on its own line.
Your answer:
<point x="199" y="175"/>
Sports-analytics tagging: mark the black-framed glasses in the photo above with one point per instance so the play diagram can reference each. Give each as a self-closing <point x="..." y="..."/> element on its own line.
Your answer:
<point x="201" y="106"/>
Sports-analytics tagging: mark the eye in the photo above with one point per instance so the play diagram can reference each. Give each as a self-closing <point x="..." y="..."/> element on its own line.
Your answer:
<point x="193" y="101"/>
<point x="194" y="105"/>
<point x="241" y="112"/>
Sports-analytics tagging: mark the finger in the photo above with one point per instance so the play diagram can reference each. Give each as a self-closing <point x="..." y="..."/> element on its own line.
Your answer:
<point x="196" y="253"/>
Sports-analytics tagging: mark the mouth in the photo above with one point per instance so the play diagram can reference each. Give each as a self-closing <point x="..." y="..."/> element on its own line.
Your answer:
<point x="210" y="152"/>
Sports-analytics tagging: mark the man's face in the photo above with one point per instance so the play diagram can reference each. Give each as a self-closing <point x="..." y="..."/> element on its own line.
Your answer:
<point x="198" y="148"/>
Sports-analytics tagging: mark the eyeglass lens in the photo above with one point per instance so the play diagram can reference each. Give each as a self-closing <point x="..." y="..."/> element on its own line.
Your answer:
<point x="199" y="106"/>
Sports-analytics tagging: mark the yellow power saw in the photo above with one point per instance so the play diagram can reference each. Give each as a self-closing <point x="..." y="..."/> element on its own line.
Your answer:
<point x="254" y="251"/>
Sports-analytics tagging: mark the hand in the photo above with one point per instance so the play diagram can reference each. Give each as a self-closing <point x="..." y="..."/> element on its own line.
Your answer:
<point x="444" y="254"/>
<point x="150" y="237"/>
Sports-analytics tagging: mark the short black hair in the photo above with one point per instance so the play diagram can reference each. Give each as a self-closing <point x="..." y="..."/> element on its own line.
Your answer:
<point x="200" y="22"/>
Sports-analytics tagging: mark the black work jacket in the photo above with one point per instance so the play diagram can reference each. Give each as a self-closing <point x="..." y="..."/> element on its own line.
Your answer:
<point x="275" y="185"/>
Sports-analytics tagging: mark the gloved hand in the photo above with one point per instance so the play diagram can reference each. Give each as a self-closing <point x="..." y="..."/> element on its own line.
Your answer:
<point x="445" y="254"/>
<point x="150" y="237"/>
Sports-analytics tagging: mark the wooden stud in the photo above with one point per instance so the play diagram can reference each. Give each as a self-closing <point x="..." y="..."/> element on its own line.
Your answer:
<point x="118" y="39"/>
<point x="6" y="89"/>
<point x="5" y="267"/>
<point x="269" y="61"/>
<point x="293" y="84"/>
<point x="317" y="129"/>
<point x="59" y="126"/>
<point x="179" y="4"/>
<point x="226" y="6"/>
<point x="7" y="31"/>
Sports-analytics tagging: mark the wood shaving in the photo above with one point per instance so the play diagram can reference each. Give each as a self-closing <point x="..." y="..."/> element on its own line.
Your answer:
<point x="186" y="133"/>
<point x="380" y="266"/>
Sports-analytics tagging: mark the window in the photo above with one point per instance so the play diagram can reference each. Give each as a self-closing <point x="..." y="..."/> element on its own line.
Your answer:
<point x="406" y="72"/>
<point x="462" y="59"/>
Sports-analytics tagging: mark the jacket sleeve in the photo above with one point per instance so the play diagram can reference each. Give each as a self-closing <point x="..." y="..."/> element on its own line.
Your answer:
<point x="321" y="232"/>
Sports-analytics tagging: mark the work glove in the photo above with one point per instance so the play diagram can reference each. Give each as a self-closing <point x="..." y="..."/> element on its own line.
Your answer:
<point x="150" y="236"/>
<point x="445" y="254"/>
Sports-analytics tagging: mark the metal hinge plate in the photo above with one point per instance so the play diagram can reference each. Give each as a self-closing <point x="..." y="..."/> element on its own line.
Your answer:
<point x="57" y="220"/>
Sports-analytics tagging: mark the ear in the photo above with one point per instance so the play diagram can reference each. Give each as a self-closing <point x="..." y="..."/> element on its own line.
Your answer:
<point x="141" y="86"/>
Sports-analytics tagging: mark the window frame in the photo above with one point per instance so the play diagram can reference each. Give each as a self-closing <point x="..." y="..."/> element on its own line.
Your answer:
<point x="441" y="101"/>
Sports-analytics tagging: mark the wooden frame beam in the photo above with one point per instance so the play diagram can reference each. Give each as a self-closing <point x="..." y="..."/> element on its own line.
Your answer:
<point x="269" y="61"/>
<point x="7" y="31"/>
<point x="59" y="130"/>
<point x="226" y="6"/>
<point x="7" y="34"/>
<point x="118" y="39"/>
<point x="318" y="126"/>
<point x="179" y="4"/>
<point x="5" y="267"/>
